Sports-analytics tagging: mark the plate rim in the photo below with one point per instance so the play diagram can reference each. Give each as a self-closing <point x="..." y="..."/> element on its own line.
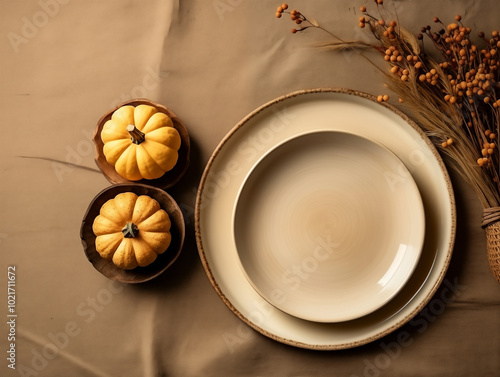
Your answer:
<point x="452" y="218"/>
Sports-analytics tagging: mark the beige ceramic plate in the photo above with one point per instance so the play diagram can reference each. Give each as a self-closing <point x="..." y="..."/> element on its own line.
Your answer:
<point x="329" y="226"/>
<point x="282" y="119"/>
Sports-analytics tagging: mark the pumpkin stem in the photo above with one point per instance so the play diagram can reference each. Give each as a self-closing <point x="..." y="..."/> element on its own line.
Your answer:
<point x="130" y="230"/>
<point x="137" y="136"/>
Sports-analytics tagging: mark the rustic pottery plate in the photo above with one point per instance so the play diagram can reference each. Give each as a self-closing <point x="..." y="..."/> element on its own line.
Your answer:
<point x="284" y="118"/>
<point x="325" y="227"/>
<point x="169" y="178"/>
<point x="163" y="261"/>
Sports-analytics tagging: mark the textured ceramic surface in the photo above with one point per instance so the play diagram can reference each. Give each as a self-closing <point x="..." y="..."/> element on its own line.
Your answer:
<point x="329" y="226"/>
<point x="280" y="120"/>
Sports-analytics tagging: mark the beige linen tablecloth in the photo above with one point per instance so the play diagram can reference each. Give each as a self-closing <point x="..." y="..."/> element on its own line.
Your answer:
<point x="64" y="63"/>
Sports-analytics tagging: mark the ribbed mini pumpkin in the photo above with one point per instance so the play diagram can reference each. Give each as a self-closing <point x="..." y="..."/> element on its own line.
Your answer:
<point x="131" y="230"/>
<point x="140" y="142"/>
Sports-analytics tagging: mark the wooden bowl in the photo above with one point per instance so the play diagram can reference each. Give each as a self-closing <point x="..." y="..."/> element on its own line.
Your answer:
<point x="162" y="262"/>
<point x="169" y="178"/>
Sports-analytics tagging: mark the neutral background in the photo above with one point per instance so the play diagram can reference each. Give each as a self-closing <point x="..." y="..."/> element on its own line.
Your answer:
<point x="66" y="63"/>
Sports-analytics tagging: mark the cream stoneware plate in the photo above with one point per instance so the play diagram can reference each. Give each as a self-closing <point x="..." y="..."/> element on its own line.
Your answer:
<point x="329" y="226"/>
<point x="260" y="132"/>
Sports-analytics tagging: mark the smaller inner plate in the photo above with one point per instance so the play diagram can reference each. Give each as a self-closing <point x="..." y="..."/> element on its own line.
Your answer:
<point x="328" y="226"/>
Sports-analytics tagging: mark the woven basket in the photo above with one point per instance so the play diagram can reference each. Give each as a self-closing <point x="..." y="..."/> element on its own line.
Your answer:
<point x="491" y="224"/>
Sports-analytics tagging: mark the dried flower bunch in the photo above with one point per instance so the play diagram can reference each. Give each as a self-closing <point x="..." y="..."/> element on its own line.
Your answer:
<point x="452" y="94"/>
<point x="455" y="100"/>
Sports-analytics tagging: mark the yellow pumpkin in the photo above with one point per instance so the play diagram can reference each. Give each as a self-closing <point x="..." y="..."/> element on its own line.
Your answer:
<point x="131" y="230"/>
<point x="140" y="142"/>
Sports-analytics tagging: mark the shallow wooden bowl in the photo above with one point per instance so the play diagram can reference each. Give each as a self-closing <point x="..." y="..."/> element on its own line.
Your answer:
<point x="139" y="274"/>
<point x="169" y="178"/>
